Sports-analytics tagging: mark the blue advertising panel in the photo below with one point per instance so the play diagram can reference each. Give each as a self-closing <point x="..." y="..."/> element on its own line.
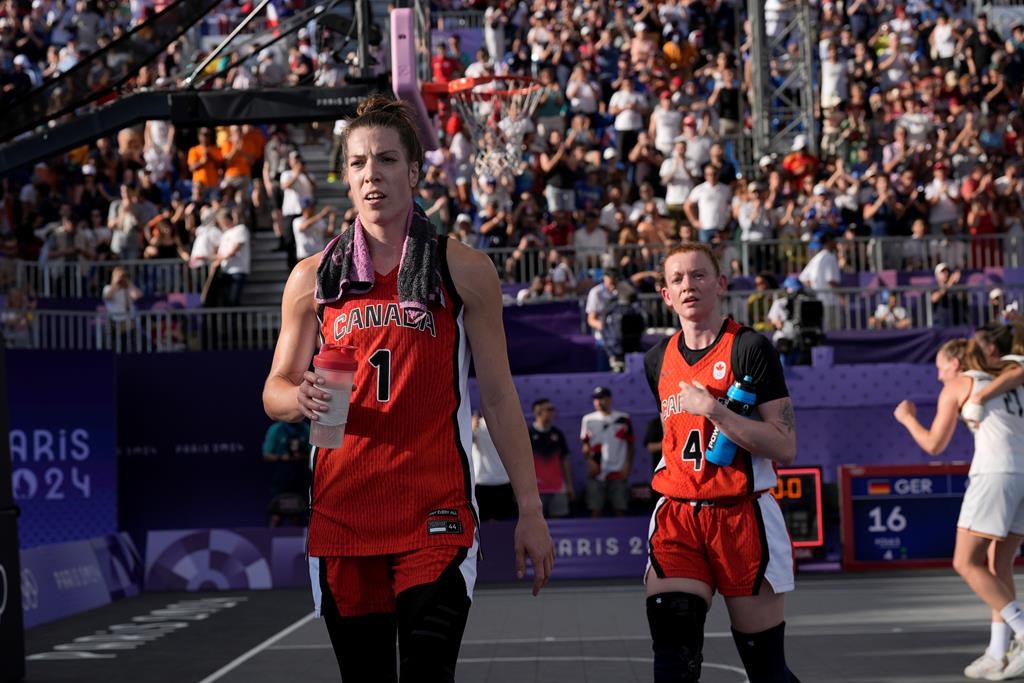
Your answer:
<point x="191" y="427"/>
<point x="900" y="516"/>
<point x="66" y="578"/>
<point x="63" y="449"/>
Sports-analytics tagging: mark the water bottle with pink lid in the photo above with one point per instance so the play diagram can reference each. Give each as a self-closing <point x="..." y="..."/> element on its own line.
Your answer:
<point x="336" y="364"/>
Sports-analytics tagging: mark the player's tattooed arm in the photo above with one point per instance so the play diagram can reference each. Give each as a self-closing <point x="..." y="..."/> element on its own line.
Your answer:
<point x="788" y="417"/>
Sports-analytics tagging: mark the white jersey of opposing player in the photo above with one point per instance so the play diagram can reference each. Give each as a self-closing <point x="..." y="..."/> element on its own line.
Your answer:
<point x="999" y="437"/>
<point x="1019" y="360"/>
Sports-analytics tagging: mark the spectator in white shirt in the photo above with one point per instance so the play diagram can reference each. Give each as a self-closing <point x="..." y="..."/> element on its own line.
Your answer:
<point x="676" y="179"/>
<point x="233" y="257"/>
<point x="590" y="242"/>
<point x="312" y="228"/>
<point x="120" y="295"/>
<point x="889" y="314"/>
<point x="943" y="195"/>
<point x="627" y="106"/>
<point x="834" y="85"/>
<point x="708" y="206"/>
<point x="821" y="274"/>
<point x="666" y="124"/>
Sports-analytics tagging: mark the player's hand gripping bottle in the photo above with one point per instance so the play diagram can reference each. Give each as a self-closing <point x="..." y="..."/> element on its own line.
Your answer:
<point x="337" y="365"/>
<point x="740" y="399"/>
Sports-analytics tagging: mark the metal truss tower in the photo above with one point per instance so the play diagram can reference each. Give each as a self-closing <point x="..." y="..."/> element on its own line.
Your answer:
<point x="783" y="42"/>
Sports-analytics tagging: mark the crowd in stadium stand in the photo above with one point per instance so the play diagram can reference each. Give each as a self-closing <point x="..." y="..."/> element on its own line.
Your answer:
<point x="635" y="143"/>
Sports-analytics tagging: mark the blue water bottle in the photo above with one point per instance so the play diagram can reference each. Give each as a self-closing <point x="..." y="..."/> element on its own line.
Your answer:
<point x="739" y="399"/>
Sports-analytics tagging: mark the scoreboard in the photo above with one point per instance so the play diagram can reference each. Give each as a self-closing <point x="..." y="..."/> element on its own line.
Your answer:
<point x="900" y="515"/>
<point x="799" y="495"/>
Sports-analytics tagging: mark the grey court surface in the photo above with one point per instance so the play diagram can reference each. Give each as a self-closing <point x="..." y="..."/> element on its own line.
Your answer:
<point x="904" y="628"/>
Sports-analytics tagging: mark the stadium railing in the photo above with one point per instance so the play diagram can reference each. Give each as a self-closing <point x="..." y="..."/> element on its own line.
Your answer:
<point x="851" y="308"/>
<point x="457" y="20"/>
<point x="156" y="331"/>
<point x="252" y="328"/>
<point x="86" y="279"/>
<point x="780" y="257"/>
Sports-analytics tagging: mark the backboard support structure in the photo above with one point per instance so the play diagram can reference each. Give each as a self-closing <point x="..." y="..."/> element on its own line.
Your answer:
<point x="404" y="78"/>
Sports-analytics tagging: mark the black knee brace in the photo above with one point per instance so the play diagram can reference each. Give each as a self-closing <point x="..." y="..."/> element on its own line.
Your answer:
<point x="677" y="632"/>
<point x="764" y="655"/>
<point x="431" y="620"/>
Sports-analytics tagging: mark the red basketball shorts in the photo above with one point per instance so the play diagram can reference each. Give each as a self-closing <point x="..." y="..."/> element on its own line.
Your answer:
<point x="369" y="585"/>
<point x="733" y="548"/>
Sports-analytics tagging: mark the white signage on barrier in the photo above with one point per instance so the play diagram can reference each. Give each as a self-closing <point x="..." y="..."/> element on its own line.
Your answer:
<point x="3" y="592"/>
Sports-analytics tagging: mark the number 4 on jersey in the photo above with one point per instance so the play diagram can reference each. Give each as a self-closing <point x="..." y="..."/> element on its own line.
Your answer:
<point x="693" y="450"/>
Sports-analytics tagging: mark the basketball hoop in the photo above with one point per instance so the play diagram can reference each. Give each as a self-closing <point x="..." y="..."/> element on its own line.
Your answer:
<point x="498" y="111"/>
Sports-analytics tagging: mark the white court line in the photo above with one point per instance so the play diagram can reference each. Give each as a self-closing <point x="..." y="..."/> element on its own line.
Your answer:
<point x="790" y="632"/>
<point x="238" y="661"/>
<point x="646" y="660"/>
<point x="520" y="641"/>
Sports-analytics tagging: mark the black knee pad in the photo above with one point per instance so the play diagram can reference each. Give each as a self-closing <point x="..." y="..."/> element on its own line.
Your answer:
<point x="431" y="621"/>
<point x="677" y="631"/>
<point x="764" y="655"/>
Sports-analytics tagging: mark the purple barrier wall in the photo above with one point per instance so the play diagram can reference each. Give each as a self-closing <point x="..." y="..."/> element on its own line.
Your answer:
<point x="223" y="559"/>
<point x="892" y="346"/>
<point x="66" y="578"/>
<point x="256" y="559"/>
<point x="844" y="413"/>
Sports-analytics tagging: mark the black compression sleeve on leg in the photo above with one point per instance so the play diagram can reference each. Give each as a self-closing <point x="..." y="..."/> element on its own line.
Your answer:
<point x="677" y="633"/>
<point x="363" y="645"/>
<point x="764" y="655"/>
<point x="431" y="621"/>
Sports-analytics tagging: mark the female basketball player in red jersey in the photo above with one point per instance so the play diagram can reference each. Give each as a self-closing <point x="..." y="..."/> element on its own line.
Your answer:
<point x="716" y="528"/>
<point x="393" y="535"/>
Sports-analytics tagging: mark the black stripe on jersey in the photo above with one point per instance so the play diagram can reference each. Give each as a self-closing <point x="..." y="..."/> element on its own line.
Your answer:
<point x="763" y="535"/>
<point x="456" y="309"/>
<point x="653" y="360"/>
<point x="316" y="451"/>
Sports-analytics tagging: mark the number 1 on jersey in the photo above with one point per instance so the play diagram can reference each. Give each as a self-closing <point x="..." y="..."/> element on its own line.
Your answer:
<point x="381" y="359"/>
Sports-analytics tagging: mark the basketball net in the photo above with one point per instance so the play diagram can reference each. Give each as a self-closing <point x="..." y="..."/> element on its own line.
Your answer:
<point x="498" y="111"/>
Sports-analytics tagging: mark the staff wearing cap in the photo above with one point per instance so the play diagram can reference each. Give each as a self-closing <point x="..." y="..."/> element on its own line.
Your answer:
<point x="608" y="441"/>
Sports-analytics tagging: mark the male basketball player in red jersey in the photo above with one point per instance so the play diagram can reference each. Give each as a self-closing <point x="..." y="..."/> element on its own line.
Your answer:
<point x="716" y="528"/>
<point x="393" y="535"/>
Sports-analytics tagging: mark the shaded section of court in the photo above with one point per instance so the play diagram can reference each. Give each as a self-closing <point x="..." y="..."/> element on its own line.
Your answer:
<point x="901" y="628"/>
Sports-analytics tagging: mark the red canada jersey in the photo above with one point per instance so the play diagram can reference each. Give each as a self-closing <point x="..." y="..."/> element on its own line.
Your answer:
<point x="401" y="479"/>
<point x="684" y="473"/>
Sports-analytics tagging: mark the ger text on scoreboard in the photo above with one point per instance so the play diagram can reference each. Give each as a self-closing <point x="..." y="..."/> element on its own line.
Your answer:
<point x="900" y="515"/>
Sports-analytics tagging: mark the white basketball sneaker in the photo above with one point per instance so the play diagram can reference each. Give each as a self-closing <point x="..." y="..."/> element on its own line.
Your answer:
<point x="1014" y="662"/>
<point x="984" y="666"/>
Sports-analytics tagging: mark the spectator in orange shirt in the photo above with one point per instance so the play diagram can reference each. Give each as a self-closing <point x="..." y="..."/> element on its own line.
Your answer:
<point x="253" y="142"/>
<point x="205" y="162"/>
<point x="799" y="163"/>
<point x="237" y="162"/>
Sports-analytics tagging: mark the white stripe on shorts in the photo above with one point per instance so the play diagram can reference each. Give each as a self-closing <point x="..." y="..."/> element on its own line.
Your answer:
<point x="779" y="572"/>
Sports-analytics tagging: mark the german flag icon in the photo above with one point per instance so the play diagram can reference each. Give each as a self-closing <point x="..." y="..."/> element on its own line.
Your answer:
<point x="879" y="487"/>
